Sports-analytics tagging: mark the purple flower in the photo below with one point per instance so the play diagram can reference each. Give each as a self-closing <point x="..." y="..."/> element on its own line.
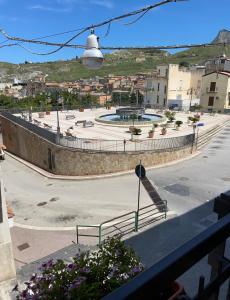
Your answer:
<point x="85" y="270"/>
<point x="77" y="282"/>
<point x="50" y="263"/>
<point x="135" y="270"/>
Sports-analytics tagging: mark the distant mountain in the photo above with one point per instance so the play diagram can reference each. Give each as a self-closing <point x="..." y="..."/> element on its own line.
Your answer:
<point x="222" y="37"/>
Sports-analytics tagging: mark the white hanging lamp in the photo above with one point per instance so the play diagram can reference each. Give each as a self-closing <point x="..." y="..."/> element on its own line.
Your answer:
<point x="92" y="57"/>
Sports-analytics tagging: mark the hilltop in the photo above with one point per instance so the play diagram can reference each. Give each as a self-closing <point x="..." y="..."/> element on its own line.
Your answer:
<point x="117" y="63"/>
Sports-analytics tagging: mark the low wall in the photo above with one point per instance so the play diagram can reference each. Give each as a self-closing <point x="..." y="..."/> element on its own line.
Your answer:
<point x="68" y="161"/>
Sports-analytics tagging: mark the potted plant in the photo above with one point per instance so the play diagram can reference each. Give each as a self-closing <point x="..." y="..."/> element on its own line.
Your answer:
<point x="136" y="132"/>
<point x="48" y="109"/>
<point x="178" y="124"/>
<point x="170" y="115"/>
<point x="151" y="132"/>
<point x="41" y="114"/>
<point x="164" y="130"/>
<point x="194" y="119"/>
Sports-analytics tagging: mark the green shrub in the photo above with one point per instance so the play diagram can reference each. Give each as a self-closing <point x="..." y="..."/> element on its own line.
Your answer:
<point x="137" y="131"/>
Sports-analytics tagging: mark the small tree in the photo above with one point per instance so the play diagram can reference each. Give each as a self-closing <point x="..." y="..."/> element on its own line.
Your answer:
<point x="137" y="131"/>
<point x="170" y="115"/>
<point x="178" y="123"/>
<point x="155" y="125"/>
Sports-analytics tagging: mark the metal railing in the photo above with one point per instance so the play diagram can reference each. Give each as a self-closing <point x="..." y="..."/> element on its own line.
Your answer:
<point x="125" y="224"/>
<point x="152" y="282"/>
<point x="128" y="145"/>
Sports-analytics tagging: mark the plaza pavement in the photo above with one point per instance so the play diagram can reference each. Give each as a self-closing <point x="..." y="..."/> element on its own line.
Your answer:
<point x="108" y="132"/>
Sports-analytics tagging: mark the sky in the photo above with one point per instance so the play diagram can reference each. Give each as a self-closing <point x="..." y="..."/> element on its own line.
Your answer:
<point x="192" y="21"/>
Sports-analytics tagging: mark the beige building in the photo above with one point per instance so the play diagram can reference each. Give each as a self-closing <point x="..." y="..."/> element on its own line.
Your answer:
<point x="172" y="85"/>
<point x="215" y="95"/>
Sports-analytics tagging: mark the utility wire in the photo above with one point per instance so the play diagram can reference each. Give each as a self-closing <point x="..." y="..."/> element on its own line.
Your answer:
<point x="127" y="15"/>
<point x="165" y="47"/>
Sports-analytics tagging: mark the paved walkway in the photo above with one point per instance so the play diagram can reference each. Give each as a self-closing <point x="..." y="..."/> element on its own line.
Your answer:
<point x="107" y="132"/>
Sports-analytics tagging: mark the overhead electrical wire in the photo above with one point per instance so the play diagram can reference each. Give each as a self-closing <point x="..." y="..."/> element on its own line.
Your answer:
<point x="141" y="12"/>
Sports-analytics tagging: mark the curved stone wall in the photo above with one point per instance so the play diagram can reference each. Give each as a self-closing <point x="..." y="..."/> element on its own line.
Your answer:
<point x="68" y="161"/>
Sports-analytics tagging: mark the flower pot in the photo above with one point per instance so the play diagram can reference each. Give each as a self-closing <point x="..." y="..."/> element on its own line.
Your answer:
<point x="177" y="128"/>
<point x="41" y="115"/>
<point x="163" y="131"/>
<point x="47" y="112"/>
<point x="151" y="135"/>
<point x="131" y="128"/>
<point x="81" y="109"/>
<point x="136" y="137"/>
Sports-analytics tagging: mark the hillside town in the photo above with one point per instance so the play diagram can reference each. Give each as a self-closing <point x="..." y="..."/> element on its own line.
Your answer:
<point x="169" y="86"/>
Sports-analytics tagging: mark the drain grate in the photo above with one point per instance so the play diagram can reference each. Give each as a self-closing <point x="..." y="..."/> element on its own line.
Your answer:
<point x="41" y="203"/>
<point x="23" y="246"/>
<point x="54" y="199"/>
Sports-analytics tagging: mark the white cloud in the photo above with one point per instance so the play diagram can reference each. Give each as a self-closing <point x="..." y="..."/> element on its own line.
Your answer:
<point x="48" y="8"/>
<point x="104" y="3"/>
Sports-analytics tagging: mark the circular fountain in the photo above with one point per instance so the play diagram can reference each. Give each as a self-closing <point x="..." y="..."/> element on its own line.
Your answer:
<point x="129" y="116"/>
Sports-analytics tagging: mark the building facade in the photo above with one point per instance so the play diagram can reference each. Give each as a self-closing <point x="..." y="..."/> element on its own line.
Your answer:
<point x="172" y="85"/>
<point x="215" y="94"/>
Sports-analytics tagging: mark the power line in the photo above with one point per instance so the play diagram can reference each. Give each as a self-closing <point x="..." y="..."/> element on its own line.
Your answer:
<point x="164" y="47"/>
<point x="141" y="11"/>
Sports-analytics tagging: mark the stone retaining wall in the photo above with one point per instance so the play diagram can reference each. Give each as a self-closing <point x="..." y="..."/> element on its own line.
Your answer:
<point x="67" y="161"/>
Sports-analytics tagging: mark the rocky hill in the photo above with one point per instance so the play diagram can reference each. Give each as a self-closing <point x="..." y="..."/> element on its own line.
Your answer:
<point x="222" y="37"/>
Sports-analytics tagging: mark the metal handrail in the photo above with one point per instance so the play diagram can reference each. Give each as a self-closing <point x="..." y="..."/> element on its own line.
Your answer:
<point x="113" y="227"/>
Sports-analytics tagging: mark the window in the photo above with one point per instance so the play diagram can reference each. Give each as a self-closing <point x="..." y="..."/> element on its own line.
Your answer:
<point x="228" y="99"/>
<point x="210" y="101"/>
<point x="158" y="87"/>
<point x="164" y="102"/>
<point x="212" y="86"/>
<point x="157" y="99"/>
<point x="165" y="89"/>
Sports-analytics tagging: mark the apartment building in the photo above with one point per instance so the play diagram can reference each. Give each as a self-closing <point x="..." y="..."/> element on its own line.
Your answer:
<point x="215" y="94"/>
<point x="173" y="85"/>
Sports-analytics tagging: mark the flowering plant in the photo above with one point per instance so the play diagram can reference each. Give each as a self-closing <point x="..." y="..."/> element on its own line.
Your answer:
<point x="90" y="275"/>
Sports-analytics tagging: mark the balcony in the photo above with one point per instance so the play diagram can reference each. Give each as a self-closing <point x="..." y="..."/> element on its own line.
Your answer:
<point x="152" y="283"/>
<point x="208" y="90"/>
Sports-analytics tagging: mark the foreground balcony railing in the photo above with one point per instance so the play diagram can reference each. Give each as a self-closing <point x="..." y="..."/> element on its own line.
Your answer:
<point x="152" y="283"/>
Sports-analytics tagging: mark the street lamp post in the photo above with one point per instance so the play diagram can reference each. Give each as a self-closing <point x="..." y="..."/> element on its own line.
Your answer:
<point x="58" y="123"/>
<point x="191" y="92"/>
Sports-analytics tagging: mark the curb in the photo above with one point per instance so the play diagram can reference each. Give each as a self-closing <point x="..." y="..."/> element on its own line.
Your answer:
<point x="94" y="177"/>
<point x="170" y="214"/>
